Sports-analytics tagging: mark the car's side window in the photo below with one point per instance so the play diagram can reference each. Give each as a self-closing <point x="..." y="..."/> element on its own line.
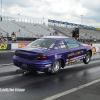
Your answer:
<point x="61" y="45"/>
<point x="71" y="43"/>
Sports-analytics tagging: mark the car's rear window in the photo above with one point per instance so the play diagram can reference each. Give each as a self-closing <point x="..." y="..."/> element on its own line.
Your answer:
<point x="44" y="43"/>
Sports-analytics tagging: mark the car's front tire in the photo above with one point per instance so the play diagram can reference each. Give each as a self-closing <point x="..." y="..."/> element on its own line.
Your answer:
<point x="87" y="58"/>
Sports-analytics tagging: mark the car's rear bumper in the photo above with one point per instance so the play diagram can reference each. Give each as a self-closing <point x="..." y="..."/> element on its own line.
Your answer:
<point x="29" y="65"/>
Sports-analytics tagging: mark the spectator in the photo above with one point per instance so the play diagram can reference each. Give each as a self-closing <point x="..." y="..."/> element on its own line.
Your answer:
<point x="40" y="36"/>
<point x="53" y="33"/>
<point x="13" y="33"/>
<point x="50" y="34"/>
<point x="86" y="34"/>
<point x="6" y="39"/>
<point x="82" y="40"/>
<point x="43" y="23"/>
<point x="13" y="39"/>
<point x="88" y="40"/>
<point x="1" y="19"/>
<point x="56" y="33"/>
<point x="23" y="26"/>
<point x="8" y="35"/>
<point x="1" y="35"/>
<point x="37" y="34"/>
<point x="0" y="39"/>
<point x="19" y="30"/>
<point x="95" y="40"/>
<point x="90" y="36"/>
<point x="35" y="24"/>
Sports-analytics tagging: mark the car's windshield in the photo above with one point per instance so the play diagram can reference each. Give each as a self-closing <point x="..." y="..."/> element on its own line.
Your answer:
<point x="44" y="43"/>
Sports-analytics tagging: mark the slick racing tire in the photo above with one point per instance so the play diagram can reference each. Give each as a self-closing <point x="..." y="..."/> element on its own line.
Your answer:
<point x="87" y="58"/>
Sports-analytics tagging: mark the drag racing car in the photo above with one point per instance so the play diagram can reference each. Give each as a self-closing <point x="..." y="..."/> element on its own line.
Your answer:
<point x="49" y="54"/>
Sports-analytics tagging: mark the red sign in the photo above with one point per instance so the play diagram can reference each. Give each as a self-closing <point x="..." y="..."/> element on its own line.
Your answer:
<point x="20" y="45"/>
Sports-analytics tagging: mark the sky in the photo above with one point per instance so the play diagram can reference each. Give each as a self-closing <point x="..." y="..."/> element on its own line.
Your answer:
<point x="85" y="12"/>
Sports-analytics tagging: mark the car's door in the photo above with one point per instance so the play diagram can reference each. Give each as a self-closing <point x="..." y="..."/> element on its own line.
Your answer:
<point x="64" y="52"/>
<point x="76" y="50"/>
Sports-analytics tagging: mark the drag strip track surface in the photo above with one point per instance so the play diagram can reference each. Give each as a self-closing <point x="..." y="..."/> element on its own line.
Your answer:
<point x="39" y="86"/>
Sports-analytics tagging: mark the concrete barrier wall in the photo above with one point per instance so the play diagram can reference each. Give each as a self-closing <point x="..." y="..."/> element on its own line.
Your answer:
<point x="12" y="46"/>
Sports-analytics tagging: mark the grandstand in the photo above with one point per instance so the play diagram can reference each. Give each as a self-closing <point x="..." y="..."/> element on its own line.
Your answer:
<point x="36" y="30"/>
<point x="83" y="33"/>
<point x="27" y="30"/>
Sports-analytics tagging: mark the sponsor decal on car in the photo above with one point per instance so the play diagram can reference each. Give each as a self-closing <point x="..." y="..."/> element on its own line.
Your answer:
<point x="55" y="47"/>
<point x="67" y="61"/>
<point x="49" y="69"/>
<point x="75" y="54"/>
<point x="74" y="60"/>
<point x="70" y="62"/>
<point x="57" y="56"/>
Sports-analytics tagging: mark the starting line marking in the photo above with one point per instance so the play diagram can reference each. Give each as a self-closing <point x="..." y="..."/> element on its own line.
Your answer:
<point x="71" y="90"/>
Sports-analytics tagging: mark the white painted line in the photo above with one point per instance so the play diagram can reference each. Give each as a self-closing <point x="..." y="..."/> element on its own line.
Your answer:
<point x="71" y="90"/>
<point x="6" y="64"/>
<point x="7" y="51"/>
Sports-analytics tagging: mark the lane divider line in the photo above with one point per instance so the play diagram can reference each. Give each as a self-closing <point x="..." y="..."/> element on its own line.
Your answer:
<point x="6" y="64"/>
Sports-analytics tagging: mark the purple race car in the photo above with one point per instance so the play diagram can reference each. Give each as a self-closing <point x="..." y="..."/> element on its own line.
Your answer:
<point x="49" y="54"/>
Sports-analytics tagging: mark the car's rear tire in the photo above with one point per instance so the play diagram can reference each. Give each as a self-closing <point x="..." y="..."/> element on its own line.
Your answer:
<point x="55" y="67"/>
<point x="87" y="58"/>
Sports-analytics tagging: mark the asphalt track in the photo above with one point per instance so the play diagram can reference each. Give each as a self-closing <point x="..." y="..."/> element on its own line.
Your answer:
<point x="75" y="82"/>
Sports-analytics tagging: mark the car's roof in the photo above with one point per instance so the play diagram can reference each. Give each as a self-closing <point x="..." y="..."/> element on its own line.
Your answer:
<point x="55" y="37"/>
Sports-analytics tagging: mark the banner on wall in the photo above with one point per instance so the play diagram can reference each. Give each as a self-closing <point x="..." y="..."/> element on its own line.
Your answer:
<point x="20" y="45"/>
<point x="5" y="46"/>
<point x="72" y="24"/>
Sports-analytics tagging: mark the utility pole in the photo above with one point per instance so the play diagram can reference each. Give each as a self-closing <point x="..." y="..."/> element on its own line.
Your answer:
<point x="1" y="5"/>
<point x="81" y="19"/>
